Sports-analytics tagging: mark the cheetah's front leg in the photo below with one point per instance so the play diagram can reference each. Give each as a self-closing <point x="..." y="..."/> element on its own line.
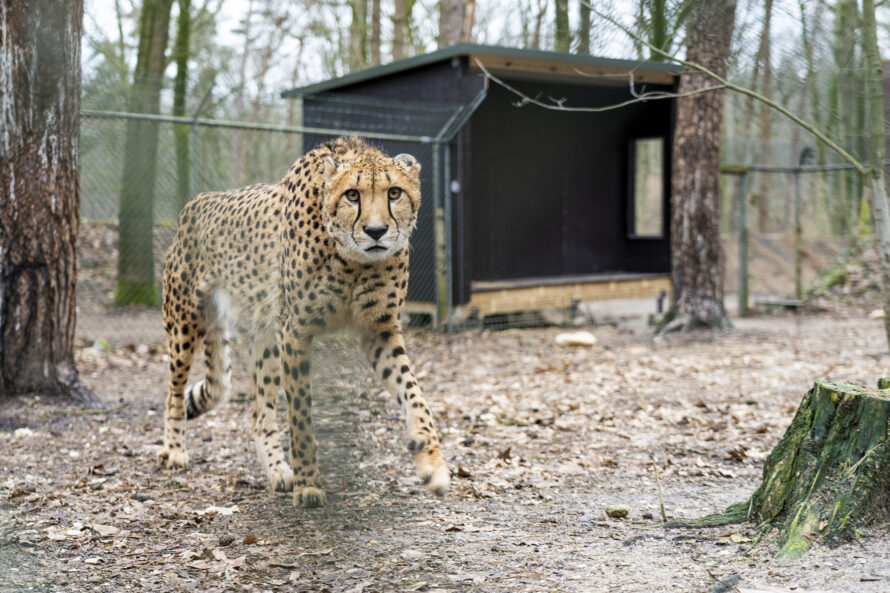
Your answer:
<point x="266" y="383"/>
<point x="295" y="373"/>
<point x="386" y="352"/>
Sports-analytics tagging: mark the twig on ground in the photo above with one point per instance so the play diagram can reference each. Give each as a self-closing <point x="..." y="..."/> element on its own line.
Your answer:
<point x="760" y="534"/>
<point x="79" y="411"/>
<point x="660" y="496"/>
<point x="163" y="492"/>
<point x="726" y="585"/>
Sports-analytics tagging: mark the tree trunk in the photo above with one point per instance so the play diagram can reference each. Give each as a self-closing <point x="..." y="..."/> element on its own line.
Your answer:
<point x="750" y="156"/>
<point x="885" y="73"/>
<point x="563" y="36"/>
<point x="181" y="132"/>
<point x="697" y="257"/>
<point x="846" y="89"/>
<point x="876" y="126"/>
<point x="293" y="144"/>
<point x="583" y="28"/>
<point x="399" y="25"/>
<point x="375" y="32"/>
<point x="451" y="18"/>
<point x="539" y="21"/>
<point x="135" y="264"/>
<point x="121" y="57"/>
<point x="858" y="143"/>
<point x="813" y="87"/>
<point x="466" y="34"/>
<point x="841" y="111"/>
<point x="236" y="163"/>
<point x="658" y="33"/>
<point x="358" y="35"/>
<point x="766" y="119"/>
<point x="40" y="201"/>
<point x="830" y="473"/>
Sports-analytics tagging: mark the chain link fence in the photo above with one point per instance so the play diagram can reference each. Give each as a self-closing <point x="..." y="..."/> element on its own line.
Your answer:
<point x="784" y="225"/>
<point x="138" y="170"/>
<point x="218" y="158"/>
<point x="126" y="228"/>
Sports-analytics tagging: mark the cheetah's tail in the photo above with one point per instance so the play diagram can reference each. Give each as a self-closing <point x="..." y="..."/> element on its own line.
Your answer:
<point x="199" y="399"/>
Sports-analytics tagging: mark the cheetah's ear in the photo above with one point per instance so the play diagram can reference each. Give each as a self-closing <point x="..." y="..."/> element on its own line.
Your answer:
<point x="409" y="162"/>
<point x="330" y="168"/>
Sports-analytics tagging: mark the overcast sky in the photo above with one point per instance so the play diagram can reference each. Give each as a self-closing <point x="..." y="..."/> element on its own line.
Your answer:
<point x="497" y="21"/>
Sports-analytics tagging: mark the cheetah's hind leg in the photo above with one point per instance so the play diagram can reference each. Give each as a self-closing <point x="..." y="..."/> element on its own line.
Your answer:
<point x="182" y="321"/>
<point x="266" y="360"/>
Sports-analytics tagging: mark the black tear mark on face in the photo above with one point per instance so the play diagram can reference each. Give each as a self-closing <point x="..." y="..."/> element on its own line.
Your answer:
<point x="393" y="218"/>
<point x="358" y="215"/>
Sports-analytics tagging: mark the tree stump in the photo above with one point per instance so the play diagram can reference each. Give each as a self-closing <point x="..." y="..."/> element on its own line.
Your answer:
<point x="830" y="473"/>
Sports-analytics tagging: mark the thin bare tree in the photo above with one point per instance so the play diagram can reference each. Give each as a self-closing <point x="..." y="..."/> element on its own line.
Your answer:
<point x="180" y="132"/>
<point x="563" y="34"/>
<point x="583" y="28"/>
<point x="135" y="263"/>
<point x="358" y="35"/>
<point x="469" y="20"/>
<point x="764" y="58"/>
<point x="240" y="92"/>
<point x="847" y="103"/>
<point x="375" y="32"/>
<point x="399" y="27"/>
<point x="538" y="17"/>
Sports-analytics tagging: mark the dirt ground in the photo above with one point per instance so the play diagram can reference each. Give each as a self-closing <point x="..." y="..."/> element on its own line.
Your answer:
<point x="541" y="439"/>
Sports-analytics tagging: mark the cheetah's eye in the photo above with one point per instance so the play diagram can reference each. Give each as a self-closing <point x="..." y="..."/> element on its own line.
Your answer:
<point x="394" y="193"/>
<point x="351" y="195"/>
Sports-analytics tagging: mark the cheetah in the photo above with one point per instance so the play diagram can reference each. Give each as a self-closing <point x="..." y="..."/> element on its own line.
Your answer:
<point x="324" y="249"/>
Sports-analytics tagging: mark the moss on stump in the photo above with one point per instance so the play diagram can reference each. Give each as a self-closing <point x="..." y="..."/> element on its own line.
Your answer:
<point x="829" y="475"/>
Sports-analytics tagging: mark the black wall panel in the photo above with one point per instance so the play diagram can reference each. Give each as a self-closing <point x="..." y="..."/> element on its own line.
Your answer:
<point x="541" y="193"/>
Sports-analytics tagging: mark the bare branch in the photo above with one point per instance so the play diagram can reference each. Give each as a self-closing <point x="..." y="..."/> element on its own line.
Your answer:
<point x="863" y="170"/>
<point x="559" y="104"/>
<point x="628" y="74"/>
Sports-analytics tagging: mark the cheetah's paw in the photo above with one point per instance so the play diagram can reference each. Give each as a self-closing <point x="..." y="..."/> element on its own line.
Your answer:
<point x="281" y="479"/>
<point x="173" y="458"/>
<point x="433" y="470"/>
<point x="308" y="497"/>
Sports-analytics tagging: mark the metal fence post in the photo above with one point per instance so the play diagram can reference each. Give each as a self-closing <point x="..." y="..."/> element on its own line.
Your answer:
<point x="449" y="261"/>
<point x="805" y="156"/>
<point x="743" y="245"/>
<point x="439" y="233"/>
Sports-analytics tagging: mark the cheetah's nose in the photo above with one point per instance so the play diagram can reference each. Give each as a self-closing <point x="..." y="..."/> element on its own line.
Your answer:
<point x="375" y="232"/>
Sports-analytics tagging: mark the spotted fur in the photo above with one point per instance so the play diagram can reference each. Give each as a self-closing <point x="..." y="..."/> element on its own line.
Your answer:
<point x="325" y="248"/>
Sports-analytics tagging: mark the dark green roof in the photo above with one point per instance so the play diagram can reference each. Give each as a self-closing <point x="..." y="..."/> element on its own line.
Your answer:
<point x="504" y="59"/>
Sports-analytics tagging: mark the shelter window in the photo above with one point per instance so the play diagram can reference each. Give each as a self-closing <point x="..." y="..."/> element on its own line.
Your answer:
<point x="647" y="185"/>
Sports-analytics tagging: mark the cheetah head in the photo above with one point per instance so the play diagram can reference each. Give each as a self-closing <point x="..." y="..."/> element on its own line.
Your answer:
<point x="370" y="204"/>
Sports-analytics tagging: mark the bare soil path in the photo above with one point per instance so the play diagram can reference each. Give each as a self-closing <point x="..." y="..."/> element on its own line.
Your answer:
<point x="541" y="439"/>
